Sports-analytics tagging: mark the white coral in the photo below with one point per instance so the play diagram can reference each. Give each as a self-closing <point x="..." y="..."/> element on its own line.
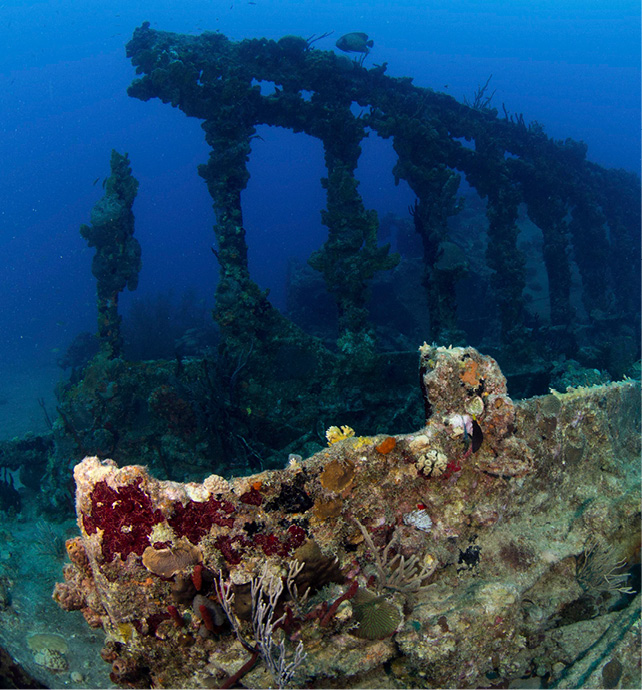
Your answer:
<point x="432" y="462"/>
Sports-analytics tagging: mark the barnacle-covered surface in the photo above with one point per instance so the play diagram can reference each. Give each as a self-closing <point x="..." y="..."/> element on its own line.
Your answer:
<point x="455" y="556"/>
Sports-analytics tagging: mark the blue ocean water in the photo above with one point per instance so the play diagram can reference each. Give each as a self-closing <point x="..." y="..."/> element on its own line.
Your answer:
<point x="573" y="66"/>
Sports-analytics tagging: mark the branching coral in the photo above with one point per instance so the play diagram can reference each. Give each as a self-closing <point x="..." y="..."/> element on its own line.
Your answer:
<point x="335" y="434"/>
<point x="398" y="574"/>
<point x="265" y="591"/>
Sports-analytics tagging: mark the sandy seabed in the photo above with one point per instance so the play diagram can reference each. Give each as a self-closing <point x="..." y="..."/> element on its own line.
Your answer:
<point x="21" y="389"/>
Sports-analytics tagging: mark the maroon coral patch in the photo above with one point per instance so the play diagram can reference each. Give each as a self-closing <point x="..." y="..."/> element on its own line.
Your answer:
<point x="226" y="546"/>
<point x="125" y="515"/>
<point x="251" y="497"/>
<point x="194" y="520"/>
<point x="269" y="543"/>
<point x="296" y="537"/>
<point x="272" y="545"/>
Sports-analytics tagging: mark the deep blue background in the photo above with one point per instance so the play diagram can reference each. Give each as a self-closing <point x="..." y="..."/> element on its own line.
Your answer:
<point x="573" y="66"/>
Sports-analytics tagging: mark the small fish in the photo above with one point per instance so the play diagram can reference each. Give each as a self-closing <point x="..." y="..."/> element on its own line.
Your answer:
<point x="355" y="42"/>
<point x="96" y="180"/>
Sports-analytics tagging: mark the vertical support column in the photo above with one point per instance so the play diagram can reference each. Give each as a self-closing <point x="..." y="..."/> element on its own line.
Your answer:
<point x="241" y="306"/>
<point x="117" y="261"/>
<point x="591" y="249"/>
<point x="625" y="261"/>
<point x="350" y="256"/>
<point x="422" y="163"/>
<point x="488" y="172"/>
<point x="548" y="212"/>
<point x="621" y="206"/>
<point x="506" y="261"/>
<point x="444" y="262"/>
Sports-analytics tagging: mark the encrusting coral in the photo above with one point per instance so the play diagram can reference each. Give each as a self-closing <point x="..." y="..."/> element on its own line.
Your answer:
<point x="169" y="561"/>
<point x="455" y="572"/>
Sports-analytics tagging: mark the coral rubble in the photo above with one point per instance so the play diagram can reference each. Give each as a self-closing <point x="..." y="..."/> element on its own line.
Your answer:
<point x="461" y="555"/>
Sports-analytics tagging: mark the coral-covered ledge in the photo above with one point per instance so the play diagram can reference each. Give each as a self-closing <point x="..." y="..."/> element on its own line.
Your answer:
<point x="496" y="543"/>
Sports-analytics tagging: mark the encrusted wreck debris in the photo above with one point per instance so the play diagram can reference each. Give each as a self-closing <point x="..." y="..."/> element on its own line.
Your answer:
<point x="241" y="407"/>
<point x="496" y="545"/>
<point x="589" y="216"/>
<point x="117" y="261"/>
<point x="470" y="553"/>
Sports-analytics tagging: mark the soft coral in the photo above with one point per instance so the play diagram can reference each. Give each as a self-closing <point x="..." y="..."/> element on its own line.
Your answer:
<point x="125" y="515"/>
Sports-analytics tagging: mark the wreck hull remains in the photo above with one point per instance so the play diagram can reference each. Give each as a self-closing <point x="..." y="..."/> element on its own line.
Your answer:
<point x="581" y="208"/>
<point x="491" y="545"/>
